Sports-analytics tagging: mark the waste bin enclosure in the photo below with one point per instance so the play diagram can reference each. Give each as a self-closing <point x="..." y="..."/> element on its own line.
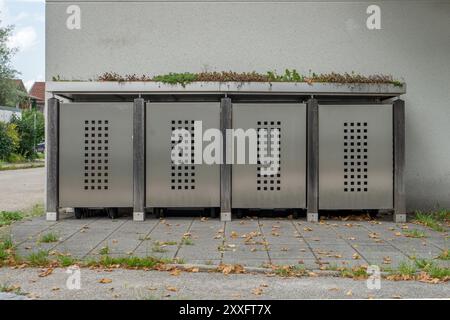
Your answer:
<point x="285" y="188"/>
<point x="188" y="185"/>
<point x="355" y="157"/>
<point x="96" y="155"/>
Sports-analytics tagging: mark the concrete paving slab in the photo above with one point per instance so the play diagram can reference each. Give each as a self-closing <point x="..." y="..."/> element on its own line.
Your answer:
<point x="289" y="241"/>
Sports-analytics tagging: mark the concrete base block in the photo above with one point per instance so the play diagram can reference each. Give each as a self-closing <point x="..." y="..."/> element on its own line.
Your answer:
<point x="399" y="217"/>
<point x="312" y="217"/>
<point x="225" y="216"/>
<point x="138" y="216"/>
<point x="52" y="216"/>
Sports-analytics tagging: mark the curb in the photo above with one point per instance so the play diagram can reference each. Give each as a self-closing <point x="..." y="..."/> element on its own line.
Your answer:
<point x="257" y="270"/>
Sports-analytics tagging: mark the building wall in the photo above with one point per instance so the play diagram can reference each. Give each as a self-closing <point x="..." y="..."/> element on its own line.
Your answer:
<point x="173" y="36"/>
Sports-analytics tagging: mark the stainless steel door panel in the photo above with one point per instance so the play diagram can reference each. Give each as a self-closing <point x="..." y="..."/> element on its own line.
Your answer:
<point x="96" y="155"/>
<point x="197" y="185"/>
<point x="288" y="188"/>
<point x="355" y="157"/>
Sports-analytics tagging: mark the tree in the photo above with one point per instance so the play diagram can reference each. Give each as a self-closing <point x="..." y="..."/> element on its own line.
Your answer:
<point x="9" y="93"/>
<point x="31" y="129"/>
<point x="6" y="141"/>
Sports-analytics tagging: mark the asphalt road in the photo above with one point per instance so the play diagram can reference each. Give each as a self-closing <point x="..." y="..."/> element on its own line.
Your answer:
<point x="21" y="189"/>
<point x="137" y="284"/>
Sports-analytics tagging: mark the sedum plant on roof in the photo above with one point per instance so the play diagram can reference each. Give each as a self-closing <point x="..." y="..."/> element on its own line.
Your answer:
<point x="270" y="76"/>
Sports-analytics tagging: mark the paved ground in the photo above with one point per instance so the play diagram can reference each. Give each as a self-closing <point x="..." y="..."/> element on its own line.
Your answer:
<point x="132" y="284"/>
<point x="21" y="189"/>
<point x="250" y="242"/>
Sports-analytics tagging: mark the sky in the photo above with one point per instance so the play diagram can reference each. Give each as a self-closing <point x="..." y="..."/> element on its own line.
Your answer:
<point x="28" y="18"/>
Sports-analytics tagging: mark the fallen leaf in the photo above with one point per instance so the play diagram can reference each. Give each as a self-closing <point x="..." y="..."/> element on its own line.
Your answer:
<point x="349" y="293"/>
<point x="46" y="272"/>
<point x="355" y="256"/>
<point x="234" y="234"/>
<point x="333" y="289"/>
<point x="396" y="296"/>
<point x="257" y="291"/>
<point x="173" y="289"/>
<point x="175" y="272"/>
<point x="105" y="280"/>
<point x="351" y="238"/>
<point x="230" y="268"/>
<point x="398" y="234"/>
<point x="307" y="229"/>
<point x="55" y="289"/>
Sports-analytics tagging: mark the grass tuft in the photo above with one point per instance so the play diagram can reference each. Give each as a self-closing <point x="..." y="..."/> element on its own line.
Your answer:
<point x="104" y="250"/>
<point x="406" y="268"/>
<point x="433" y="219"/>
<point x="8" y="217"/>
<point x="38" y="259"/>
<point x="48" y="238"/>
<point x="129" y="262"/>
<point x="187" y="241"/>
<point x="66" y="261"/>
<point x="414" y="233"/>
<point x="444" y="255"/>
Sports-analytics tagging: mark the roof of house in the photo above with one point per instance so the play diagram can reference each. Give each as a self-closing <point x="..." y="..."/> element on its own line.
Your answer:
<point x="37" y="91"/>
<point x="19" y="85"/>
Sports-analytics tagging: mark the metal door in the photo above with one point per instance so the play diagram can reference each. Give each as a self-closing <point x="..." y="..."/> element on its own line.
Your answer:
<point x="96" y="155"/>
<point x="287" y="187"/>
<point x="355" y="157"/>
<point x="186" y="185"/>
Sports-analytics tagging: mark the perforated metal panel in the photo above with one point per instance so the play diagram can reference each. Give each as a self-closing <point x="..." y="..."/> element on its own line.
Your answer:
<point x="96" y="155"/>
<point x="355" y="157"/>
<point x="170" y="184"/>
<point x="285" y="187"/>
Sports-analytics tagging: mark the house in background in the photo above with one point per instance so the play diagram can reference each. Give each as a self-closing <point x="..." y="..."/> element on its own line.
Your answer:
<point x="37" y="95"/>
<point x="24" y="101"/>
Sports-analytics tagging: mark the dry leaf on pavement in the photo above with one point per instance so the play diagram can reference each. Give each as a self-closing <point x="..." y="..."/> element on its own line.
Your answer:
<point x="46" y="272"/>
<point x="175" y="272"/>
<point x="173" y="289"/>
<point x="105" y="280"/>
<point x="257" y="291"/>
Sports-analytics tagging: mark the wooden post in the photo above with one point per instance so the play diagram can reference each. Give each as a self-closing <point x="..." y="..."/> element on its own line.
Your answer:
<point x="225" y="168"/>
<point x="312" y="189"/>
<point x="52" y="157"/>
<point x="139" y="160"/>
<point x="399" y="161"/>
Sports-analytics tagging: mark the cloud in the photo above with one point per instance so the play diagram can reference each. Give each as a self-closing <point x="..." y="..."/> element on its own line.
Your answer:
<point x="23" y="39"/>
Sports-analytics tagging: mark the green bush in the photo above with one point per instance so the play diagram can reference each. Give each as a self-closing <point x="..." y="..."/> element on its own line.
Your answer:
<point x="15" y="158"/>
<point x="31" y="131"/>
<point x="6" y="141"/>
